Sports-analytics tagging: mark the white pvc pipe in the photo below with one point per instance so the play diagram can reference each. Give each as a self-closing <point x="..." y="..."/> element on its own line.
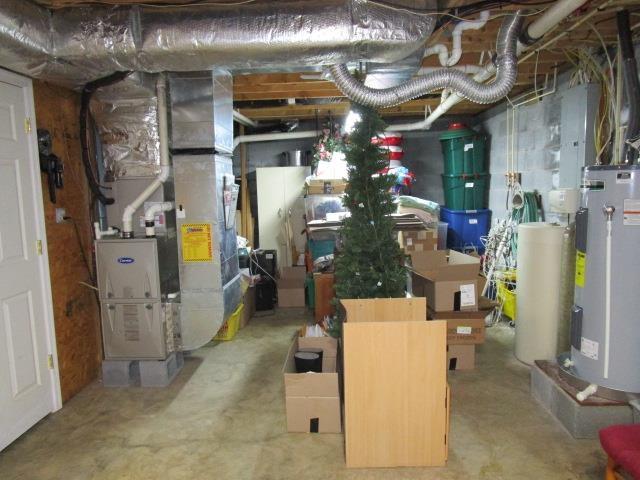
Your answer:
<point x="244" y="120"/>
<point x="268" y="137"/>
<point x="439" y="49"/>
<point x="456" y="49"/>
<point x="559" y="11"/>
<point x="587" y="392"/>
<point x="163" y="133"/>
<point x="552" y="17"/>
<point x="150" y="216"/>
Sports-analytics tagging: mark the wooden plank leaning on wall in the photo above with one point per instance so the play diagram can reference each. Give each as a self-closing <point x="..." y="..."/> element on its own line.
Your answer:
<point x="75" y="306"/>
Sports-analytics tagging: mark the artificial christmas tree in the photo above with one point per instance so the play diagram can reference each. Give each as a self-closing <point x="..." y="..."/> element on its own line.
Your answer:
<point x="370" y="263"/>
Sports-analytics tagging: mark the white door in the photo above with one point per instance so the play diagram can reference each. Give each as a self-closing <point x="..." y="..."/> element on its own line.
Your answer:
<point x="29" y="387"/>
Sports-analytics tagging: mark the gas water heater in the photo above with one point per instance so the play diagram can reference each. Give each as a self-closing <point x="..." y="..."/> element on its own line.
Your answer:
<point x="605" y="319"/>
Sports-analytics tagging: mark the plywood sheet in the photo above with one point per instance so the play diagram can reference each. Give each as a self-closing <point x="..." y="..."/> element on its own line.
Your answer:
<point x="395" y="393"/>
<point x="385" y="309"/>
<point x="74" y="305"/>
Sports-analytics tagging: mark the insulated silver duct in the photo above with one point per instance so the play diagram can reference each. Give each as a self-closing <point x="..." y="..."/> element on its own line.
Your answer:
<point x="506" y="73"/>
<point x="78" y="44"/>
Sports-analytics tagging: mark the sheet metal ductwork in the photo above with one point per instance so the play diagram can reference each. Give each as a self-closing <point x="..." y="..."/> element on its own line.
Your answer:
<point x="506" y="74"/>
<point x="75" y="45"/>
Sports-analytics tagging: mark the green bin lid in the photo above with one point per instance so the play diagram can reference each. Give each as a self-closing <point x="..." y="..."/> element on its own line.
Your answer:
<point x="457" y="130"/>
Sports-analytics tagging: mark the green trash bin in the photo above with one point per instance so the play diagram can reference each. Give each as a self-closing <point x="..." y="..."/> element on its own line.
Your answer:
<point x="463" y="150"/>
<point x="465" y="192"/>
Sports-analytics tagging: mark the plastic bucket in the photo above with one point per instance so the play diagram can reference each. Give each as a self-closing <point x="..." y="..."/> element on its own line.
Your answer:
<point x="465" y="192"/>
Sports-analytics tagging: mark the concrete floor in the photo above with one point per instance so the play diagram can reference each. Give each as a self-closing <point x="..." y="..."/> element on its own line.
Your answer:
<point x="223" y="418"/>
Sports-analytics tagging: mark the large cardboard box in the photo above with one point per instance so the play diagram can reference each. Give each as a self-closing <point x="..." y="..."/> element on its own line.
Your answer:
<point x="418" y="240"/>
<point x="312" y="400"/>
<point x="463" y="328"/>
<point x="448" y="279"/>
<point x="394" y="385"/>
<point x="461" y="357"/>
<point x="445" y="265"/>
<point x="291" y="287"/>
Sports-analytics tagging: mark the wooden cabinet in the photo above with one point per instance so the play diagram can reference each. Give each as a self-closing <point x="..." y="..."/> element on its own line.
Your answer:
<point x="325" y="293"/>
<point x="281" y="211"/>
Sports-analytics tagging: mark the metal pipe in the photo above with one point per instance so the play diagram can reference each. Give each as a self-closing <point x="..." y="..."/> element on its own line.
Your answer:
<point x="506" y="73"/>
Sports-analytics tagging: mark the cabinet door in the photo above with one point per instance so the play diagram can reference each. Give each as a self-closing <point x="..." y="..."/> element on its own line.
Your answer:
<point x="294" y="211"/>
<point x="281" y="210"/>
<point x="270" y="182"/>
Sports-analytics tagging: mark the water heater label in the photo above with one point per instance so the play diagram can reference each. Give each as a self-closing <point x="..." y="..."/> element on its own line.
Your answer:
<point x="631" y="213"/>
<point x="581" y="268"/>
<point x="589" y="348"/>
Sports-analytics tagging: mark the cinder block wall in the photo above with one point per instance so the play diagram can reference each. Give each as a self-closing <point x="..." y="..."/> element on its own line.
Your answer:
<point x="536" y="146"/>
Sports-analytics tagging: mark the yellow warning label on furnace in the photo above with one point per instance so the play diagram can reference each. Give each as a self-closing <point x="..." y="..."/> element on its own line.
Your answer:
<point x="581" y="267"/>
<point x="196" y="242"/>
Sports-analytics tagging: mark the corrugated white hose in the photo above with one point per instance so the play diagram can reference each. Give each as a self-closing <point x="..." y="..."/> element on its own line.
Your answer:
<point x="506" y="73"/>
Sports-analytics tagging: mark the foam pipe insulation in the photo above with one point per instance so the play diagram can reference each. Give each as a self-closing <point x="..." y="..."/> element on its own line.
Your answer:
<point x="77" y="44"/>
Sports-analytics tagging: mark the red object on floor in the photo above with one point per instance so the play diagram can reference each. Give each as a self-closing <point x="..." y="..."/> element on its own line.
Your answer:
<point x="622" y="444"/>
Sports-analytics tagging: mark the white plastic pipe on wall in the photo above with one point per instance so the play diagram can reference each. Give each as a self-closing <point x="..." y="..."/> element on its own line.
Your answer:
<point x="538" y="291"/>
<point x="268" y="137"/>
<point x="163" y="134"/>
<point x="439" y="49"/>
<point x="538" y="28"/>
<point x="150" y="216"/>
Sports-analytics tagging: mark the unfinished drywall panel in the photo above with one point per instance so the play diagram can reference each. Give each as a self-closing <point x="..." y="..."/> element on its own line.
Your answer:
<point x="74" y="305"/>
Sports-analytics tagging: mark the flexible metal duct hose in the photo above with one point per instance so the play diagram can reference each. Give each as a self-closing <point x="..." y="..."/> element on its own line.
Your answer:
<point x="506" y="73"/>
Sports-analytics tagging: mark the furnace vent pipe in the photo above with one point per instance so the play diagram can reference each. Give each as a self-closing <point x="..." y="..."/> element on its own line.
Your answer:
<point x="449" y="60"/>
<point x="165" y="168"/>
<point x="506" y="73"/>
<point x="150" y="217"/>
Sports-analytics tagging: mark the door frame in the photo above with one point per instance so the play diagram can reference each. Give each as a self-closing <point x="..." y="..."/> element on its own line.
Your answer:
<point x="26" y="85"/>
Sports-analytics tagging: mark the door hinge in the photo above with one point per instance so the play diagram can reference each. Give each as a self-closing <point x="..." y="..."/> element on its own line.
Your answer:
<point x="39" y="247"/>
<point x="50" y="361"/>
<point x="27" y="125"/>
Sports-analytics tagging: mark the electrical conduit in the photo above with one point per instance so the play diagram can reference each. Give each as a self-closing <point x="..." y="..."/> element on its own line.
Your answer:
<point x="163" y="133"/>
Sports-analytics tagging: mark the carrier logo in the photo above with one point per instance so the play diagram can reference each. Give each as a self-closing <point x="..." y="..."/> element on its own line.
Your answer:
<point x="125" y="260"/>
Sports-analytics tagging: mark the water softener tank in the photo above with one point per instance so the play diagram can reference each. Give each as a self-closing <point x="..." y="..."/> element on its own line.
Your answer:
<point x="605" y="319"/>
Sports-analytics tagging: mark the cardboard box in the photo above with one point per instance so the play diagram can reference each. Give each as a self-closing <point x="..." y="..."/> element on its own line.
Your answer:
<point x="328" y="345"/>
<point x="448" y="279"/>
<point x="445" y="265"/>
<point x="249" y="301"/>
<point x="447" y="295"/>
<point x="321" y="186"/>
<point x="461" y="357"/>
<point x="418" y="240"/>
<point x="469" y="331"/>
<point x="291" y="287"/>
<point x="312" y="400"/>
